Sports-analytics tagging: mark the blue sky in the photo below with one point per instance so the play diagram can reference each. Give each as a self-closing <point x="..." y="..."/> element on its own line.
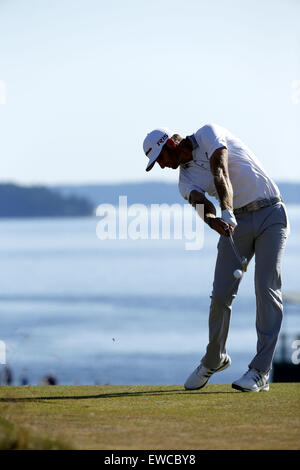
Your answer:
<point x="86" y="80"/>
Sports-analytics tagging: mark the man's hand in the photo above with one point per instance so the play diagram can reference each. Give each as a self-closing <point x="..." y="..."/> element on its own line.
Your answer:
<point x="218" y="224"/>
<point x="209" y="212"/>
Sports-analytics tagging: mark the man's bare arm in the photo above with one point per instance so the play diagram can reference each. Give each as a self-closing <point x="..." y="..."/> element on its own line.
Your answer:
<point x="219" y="169"/>
<point x="198" y="198"/>
<point x="209" y="212"/>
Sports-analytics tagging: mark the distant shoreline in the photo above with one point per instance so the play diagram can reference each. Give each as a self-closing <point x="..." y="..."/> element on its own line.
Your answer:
<point x="81" y="200"/>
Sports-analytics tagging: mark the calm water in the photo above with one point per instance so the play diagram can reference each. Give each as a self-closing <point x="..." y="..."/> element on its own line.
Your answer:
<point x="119" y="311"/>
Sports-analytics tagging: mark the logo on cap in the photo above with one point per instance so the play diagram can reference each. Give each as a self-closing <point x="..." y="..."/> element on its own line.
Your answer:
<point x="162" y="139"/>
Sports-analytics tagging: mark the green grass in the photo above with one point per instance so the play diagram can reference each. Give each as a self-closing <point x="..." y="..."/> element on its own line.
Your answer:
<point x="149" y="417"/>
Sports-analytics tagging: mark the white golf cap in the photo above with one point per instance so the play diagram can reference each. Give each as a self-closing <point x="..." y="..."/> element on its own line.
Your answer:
<point x="154" y="143"/>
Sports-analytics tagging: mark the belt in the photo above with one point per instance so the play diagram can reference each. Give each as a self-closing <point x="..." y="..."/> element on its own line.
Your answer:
<point x="259" y="204"/>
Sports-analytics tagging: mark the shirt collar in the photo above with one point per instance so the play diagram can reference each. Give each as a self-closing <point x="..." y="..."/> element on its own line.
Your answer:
<point x="193" y="141"/>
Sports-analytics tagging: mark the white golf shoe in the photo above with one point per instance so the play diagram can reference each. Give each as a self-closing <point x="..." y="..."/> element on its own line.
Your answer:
<point x="201" y="375"/>
<point x="252" y="381"/>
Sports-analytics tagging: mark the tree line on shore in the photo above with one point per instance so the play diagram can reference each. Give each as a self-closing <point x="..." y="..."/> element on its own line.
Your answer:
<point x="40" y="201"/>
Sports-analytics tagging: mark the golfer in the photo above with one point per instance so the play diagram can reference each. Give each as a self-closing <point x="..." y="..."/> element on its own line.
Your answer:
<point x="215" y="162"/>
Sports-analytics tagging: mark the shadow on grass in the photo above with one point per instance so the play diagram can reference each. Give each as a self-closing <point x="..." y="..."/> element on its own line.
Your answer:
<point x="115" y="395"/>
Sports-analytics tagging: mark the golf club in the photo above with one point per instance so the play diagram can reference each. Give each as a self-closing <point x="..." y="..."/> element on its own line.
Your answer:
<point x="243" y="261"/>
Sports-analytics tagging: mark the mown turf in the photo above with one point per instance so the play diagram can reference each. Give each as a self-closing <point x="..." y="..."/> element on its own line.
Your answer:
<point x="149" y="417"/>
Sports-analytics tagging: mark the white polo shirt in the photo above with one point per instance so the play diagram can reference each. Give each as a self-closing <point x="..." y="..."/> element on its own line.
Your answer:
<point x="249" y="180"/>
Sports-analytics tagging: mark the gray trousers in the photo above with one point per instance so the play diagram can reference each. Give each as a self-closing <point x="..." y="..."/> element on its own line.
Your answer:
<point x="262" y="233"/>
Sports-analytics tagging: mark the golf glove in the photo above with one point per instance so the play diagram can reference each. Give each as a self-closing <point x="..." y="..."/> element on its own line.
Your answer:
<point x="228" y="216"/>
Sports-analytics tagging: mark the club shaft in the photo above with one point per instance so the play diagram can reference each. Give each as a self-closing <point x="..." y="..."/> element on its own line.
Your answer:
<point x="235" y="249"/>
